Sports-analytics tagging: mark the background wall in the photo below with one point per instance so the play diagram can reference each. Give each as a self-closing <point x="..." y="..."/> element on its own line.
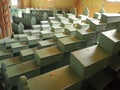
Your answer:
<point x="95" y="5"/>
<point x="51" y="4"/>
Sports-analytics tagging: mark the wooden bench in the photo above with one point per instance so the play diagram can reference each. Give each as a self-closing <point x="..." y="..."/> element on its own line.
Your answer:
<point x="11" y="61"/>
<point x="60" y="79"/>
<point x="28" y="68"/>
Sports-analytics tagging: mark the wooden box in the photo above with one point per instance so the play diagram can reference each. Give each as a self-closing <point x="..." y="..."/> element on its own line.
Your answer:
<point x="70" y="30"/>
<point x="16" y="47"/>
<point x="27" y="31"/>
<point x="44" y="23"/>
<point x="22" y="37"/>
<point x="32" y="40"/>
<point x="110" y="41"/>
<point x="58" y="15"/>
<point x="88" y="20"/>
<point x="45" y="27"/>
<point x="46" y="43"/>
<point x="82" y="25"/>
<point x="110" y="26"/>
<point x="74" y="20"/>
<point x="82" y="17"/>
<point x="70" y="15"/>
<point x="88" y="36"/>
<point x="47" y="56"/>
<point x="9" y="41"/>
<point x="35" y="33"/>
<point x="46" y="34"/>
<point x="36" y="27"/>
<point x="5" y="54"/>
<point x="110" y="17"/>
<point x="97" y="26"/>
<point x="27" y="54"/>
<point x="88" y="61"/>
<point x="29" y="68"/>
<point x="66" y="24"/>
<point x="60" y="79"/>
<point x="2" y="47"/>
<point x="57" y="29"/>
<point x="59" y="35"/>
<point x="54" y="23"/>
<point x="52" y="19"/>
<point x="68" y="44"/>
<point x="62" y="19"/>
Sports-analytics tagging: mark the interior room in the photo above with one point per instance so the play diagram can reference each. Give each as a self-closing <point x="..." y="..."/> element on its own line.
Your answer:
<point x="59" y="45"/>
